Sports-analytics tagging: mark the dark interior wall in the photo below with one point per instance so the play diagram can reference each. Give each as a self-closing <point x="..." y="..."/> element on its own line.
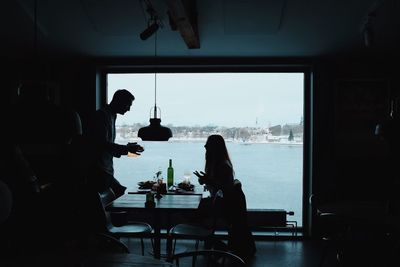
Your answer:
<point x="353" y="167"/>
<point x="337" y="173"/>
<point x="73" y="82"/>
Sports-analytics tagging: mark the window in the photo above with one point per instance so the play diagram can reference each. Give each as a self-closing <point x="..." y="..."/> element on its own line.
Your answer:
<point x="259" y="114"/>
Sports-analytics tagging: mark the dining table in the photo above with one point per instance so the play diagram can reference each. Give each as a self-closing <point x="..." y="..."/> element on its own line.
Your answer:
<point x="194" y="190"/>
<point x="164" y="208"/>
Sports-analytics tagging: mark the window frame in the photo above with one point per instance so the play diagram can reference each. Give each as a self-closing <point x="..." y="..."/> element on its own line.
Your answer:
<point x="101" y="99"/>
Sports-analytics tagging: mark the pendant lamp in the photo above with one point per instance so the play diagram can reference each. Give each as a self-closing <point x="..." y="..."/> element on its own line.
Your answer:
<point x="155" y="131"/>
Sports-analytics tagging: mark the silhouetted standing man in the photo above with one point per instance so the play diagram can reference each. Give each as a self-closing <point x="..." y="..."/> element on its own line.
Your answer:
<point x="102" y="136"/>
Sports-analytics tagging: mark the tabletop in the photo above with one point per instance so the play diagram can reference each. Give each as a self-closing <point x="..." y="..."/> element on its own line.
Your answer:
<point x="167" y="202"/>
<point x="197" y="190"/>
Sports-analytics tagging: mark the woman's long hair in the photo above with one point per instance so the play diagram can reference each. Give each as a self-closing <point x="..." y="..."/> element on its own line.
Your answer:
<point x="216" y="153"/>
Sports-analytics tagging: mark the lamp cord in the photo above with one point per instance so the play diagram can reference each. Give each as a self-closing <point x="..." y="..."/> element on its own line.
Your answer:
<point x="155" y="69"/>
<point x="35" y="26"/>
<point x="155" y="75"/>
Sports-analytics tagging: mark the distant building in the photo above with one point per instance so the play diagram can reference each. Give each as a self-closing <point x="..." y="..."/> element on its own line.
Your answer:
<point x="275" y="130"/>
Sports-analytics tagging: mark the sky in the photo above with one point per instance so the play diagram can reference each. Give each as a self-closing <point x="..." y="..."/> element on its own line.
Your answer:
<point x="220" y="99"/>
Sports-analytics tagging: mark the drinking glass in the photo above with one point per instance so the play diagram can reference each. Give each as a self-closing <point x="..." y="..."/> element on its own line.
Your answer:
<point x="186" y="176"/>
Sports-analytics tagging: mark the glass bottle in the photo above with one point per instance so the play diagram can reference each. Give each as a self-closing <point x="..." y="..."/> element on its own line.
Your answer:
<point x="170" y="174"/>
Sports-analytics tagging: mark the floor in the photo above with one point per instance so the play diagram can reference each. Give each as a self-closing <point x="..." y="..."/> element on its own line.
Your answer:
<point x="269" y="253"/>
<point x="294" y="253"/>
<point x="303" y="253"/>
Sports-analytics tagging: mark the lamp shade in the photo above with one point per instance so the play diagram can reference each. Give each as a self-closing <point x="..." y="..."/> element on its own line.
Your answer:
<point x="155" y="131"/>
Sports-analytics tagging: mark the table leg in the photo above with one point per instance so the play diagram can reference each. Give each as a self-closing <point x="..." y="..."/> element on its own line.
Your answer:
<point x="169" y="239"/>
<point x="157" y="236"/>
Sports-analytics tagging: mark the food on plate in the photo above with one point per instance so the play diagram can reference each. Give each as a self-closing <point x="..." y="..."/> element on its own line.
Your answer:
<point x="186" y="186"/>
<point x="146" y="184"/>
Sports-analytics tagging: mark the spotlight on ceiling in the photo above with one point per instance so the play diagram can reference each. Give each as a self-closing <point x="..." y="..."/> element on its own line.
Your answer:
<point x="149" y="31"/>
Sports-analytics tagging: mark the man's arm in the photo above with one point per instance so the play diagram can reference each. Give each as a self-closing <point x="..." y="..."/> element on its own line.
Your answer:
<point x="103" y="138"/>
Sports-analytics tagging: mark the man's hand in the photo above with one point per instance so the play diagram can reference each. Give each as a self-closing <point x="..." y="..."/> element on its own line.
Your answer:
<point x="135" y="148"/>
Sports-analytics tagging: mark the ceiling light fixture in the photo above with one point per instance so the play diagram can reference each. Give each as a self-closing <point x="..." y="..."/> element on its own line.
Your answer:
<point x="155" y="131"/>
<point x="153" y="24"/>
<point x="149" y="31"/>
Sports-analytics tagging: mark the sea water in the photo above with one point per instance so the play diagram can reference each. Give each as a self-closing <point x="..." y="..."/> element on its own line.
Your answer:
<point x="271" y="173"/>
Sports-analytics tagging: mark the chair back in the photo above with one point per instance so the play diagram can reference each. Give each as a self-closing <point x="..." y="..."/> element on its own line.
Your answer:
<point x="209" y="258"/>
<point x="105" y="198"/>
<point x="211" y="211"/>
<point x="236" y="203"/>
<point x="240" y="238"/>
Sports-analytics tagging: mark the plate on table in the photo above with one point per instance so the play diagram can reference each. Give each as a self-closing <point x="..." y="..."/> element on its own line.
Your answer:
<point x="143" y="190"/>
<point x="146" y="185"/>
<point x="185" y="187"/>
<point x="182" y="191"/>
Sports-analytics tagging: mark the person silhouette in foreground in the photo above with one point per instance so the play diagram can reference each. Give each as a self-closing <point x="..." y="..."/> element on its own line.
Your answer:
<point x="41" y="136"/>
<point x="49" y="122"/>
<point x="44" y="131"/>
<point x="218" y="178"/>
<point x="102" y="136"/>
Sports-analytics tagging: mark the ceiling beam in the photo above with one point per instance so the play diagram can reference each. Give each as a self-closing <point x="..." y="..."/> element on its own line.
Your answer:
<point x="183" y="17"/>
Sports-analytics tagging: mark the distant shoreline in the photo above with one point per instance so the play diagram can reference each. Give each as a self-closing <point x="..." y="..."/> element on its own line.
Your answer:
<point x="203" y="140"/>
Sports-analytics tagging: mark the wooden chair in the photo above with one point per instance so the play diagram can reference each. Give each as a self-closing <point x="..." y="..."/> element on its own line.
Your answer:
<point x="190" y="231"/>
<point x="196" y="231"/>
<point x="131" y="229"/>
<point x="105" y="243"/>
<point x="210" y="258"/>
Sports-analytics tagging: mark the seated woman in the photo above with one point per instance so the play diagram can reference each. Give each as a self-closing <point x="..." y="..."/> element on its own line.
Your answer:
<point x="218" y="173"/>
<point x="218" y="178"/>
